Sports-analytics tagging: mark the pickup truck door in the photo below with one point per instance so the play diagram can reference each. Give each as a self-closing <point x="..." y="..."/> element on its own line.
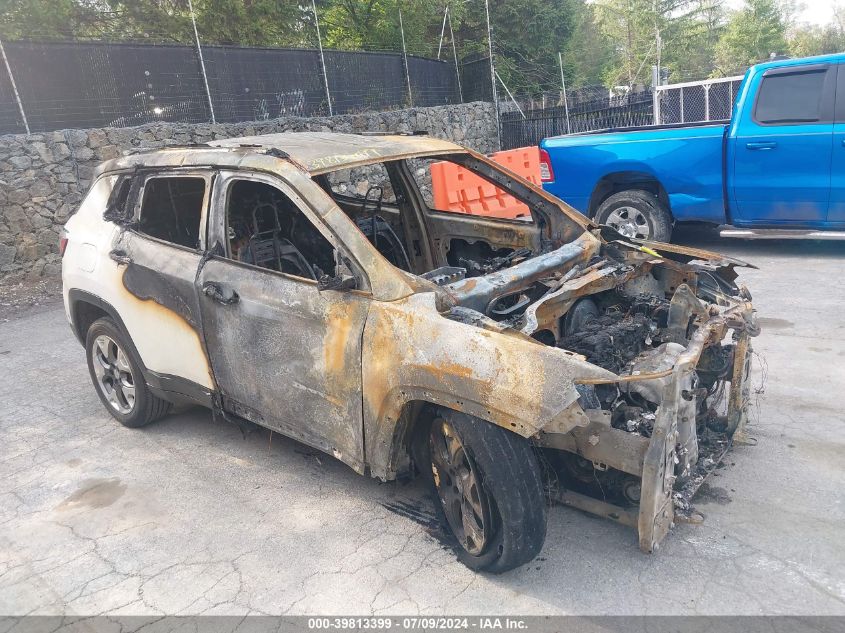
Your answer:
<point x="285" y="354"/>
<point x="836" y="212"/>
<point x="782" y="147"/>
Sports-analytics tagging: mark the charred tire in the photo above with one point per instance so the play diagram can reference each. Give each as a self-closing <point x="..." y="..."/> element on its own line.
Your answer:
<point x="501" y="476"/>
<point x="115" y="370"/>
<point x="636" y="214"/>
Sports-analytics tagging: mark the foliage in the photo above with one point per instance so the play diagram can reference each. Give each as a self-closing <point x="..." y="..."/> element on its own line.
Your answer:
<point x="806" y="40"/>
<point x="676" y="34"/>
<point x="752" y="34"/>
<point x="588" y="53"/>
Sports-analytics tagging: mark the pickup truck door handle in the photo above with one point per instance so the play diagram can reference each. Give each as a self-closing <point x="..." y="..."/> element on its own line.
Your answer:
<point x="763" y="145"/>
<point x="120" y="257"/>
<point x="217" y="293"/>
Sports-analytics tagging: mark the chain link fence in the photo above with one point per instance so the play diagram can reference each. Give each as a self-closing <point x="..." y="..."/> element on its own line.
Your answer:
<point x="694" y="101"/>
<point x="524" y="123"/>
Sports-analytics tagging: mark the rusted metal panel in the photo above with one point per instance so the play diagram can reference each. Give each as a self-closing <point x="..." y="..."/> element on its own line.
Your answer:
<point x="601" y="444"/>
<point x="288" y="356"/>
<point x="738" y="400"/>
<point x="411" y="352"/>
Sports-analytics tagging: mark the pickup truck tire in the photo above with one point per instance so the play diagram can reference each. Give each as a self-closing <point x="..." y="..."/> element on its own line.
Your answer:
<point x="116" y="373"/>
<point x="636" y="213"/>
<point x="487" y="487"/>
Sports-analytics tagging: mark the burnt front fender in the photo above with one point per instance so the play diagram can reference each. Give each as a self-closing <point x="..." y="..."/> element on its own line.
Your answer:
<point x="412" y="353"/>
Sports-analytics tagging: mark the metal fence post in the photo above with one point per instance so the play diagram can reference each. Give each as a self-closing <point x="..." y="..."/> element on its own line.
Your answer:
<point x="493" y="73"/>
<point x="655" y="93"/>
<point x="442" y="31"/>
<point x="14" y="88"/>
<point x="322" y="58"/>
<point x="682" y="105"/>
<point x="202" y="62"/>
<point x="405" y="57"/>
<point x="455" y="54"/>
<point x="505" y="86"/>
<point x="563" y="91"/>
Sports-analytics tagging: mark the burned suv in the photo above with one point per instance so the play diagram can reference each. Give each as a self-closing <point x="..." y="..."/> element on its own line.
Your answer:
<point x="305" y="283"/>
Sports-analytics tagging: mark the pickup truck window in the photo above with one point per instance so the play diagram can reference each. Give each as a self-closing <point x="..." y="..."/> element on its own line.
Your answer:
<point x="789" y="98"/>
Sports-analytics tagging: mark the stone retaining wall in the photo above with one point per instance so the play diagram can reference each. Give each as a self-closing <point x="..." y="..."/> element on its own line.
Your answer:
<point x="44" y="176"/>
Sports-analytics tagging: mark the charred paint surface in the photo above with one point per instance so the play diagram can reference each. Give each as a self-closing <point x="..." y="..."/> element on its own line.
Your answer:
<point x="411" y="352"/>
<point x="171" y="293"/>
<point x="289" y="356"/>
<point x="158" y="302"/>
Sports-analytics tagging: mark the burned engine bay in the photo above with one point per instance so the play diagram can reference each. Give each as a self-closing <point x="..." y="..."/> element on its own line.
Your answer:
<point x="672" y="332"/>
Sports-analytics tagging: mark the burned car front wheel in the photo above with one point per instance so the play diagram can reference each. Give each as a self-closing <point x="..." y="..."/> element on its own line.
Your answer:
<point x="116" y="373"/>
<point x="487" y="486"/>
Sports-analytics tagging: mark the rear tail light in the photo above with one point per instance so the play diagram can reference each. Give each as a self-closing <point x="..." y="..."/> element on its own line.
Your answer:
<point x="62" y="243"/>
<point x="547" y="174"/>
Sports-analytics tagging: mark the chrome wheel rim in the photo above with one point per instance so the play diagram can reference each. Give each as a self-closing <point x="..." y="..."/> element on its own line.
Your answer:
<point x="630" y="222"/>
<point x="458" y="484"/>
<point x="114" y="374"/>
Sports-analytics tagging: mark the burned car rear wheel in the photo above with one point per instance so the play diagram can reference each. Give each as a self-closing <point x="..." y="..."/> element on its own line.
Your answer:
<point x="116" y="373"/>
<point x="488" y="487"/>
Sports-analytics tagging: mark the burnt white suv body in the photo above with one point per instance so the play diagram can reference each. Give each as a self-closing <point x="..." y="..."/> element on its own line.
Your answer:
<point x="302" y="282"/>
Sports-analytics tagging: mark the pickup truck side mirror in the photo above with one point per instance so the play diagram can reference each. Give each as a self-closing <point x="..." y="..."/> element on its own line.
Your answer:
<point x="338" y="282"/>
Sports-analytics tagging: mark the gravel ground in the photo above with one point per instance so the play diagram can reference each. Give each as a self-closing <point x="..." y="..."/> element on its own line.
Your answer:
<point x="19" y="299"/>
<point x="187" y="516"/>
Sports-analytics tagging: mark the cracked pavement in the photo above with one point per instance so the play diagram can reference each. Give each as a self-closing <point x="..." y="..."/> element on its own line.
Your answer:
<point x="187" y="516"/>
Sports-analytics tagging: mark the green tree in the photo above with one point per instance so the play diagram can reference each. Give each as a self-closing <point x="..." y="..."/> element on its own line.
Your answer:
<point x="245" y="22"/>
<point x="46" y="19"/>
<point x="693" y="53"/>
<point x="527" y="34"/>
<point x="646" y="32"/>
<point x="588" y="53"/>
<point x="374" y="24"/>
<point x="808" y="40"/>
<point x="527" y="37"/>
<point x="752" y="34"/>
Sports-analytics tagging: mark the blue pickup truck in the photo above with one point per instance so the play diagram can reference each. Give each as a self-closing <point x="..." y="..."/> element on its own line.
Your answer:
<point x="776" y="169"/>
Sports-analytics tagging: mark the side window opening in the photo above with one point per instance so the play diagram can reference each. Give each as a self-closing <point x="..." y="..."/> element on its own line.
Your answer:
<point x="791" y="98"/>
<point x="118" y="209"/>
<point x="450" y="187"/>
<point x="367" y="196"/>
<point x="265" y="228"/>
<point x="171" y="209"/>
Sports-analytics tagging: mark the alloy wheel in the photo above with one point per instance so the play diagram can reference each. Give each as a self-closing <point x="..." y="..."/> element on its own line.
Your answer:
<point x="114" y="374"/>
<point x="458" y="484"/>
<point x="630" y="222"/>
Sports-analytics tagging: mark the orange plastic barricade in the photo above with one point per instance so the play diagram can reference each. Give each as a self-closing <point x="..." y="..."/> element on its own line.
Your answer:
<point x="459" y="190"/>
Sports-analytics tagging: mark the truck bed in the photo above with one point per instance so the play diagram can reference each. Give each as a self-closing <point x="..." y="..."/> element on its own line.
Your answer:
<point x="684" y="158"/>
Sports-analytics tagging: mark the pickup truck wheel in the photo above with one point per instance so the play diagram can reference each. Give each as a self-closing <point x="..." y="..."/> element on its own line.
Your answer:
<point x="116" y="373"/>
<point x="489" y="489"/>
<point x="636" y="214"/>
